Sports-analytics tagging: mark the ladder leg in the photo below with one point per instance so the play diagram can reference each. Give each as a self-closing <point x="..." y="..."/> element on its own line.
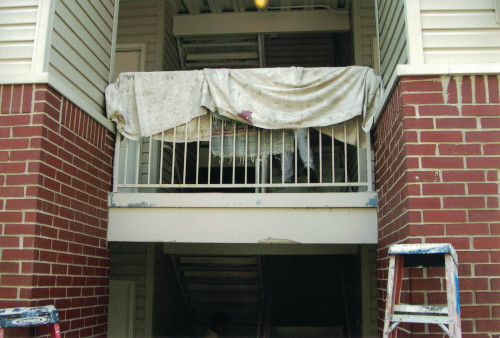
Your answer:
<point x="453" y="298"/>
<point x="55" y="331"/>
<point x="394" y="280"/>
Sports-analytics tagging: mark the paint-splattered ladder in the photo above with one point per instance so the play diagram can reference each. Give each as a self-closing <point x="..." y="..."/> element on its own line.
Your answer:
<point x="30" y="316"/>
<point x="422" y="255"/>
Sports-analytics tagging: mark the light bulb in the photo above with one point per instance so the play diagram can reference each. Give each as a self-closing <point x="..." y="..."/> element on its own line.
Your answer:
<point x="261" y="3"/>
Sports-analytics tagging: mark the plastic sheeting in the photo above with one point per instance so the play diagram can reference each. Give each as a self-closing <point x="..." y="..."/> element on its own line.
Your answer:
<point x="145" y="104"/>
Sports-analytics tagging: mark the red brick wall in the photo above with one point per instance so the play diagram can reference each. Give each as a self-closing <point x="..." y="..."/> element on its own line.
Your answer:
<point x="437" y="149"/>
<point x="55" y="173"/>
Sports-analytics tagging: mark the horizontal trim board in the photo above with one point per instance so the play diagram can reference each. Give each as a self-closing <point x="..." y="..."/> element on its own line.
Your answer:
<point x="242" y="225"/>
<point x="221" y="200"/>
<point x="260" y="22"/>
<point x="259" y="249"/>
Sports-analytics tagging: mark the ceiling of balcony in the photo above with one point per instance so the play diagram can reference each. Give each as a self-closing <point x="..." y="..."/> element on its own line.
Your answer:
<point x="224" y="6"/>
<point x="291" y="47"/>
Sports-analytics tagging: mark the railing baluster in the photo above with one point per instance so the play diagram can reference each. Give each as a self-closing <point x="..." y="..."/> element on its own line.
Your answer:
<point x="160" y="179"/>
<point x="173" y="156"/>
<point x="357" y="148"/>
<point x="345" y="153"/>
<point x="221" y="151"/>
<point x="138" y="163"/>
<point x="368" y="148"/>
<point x="197" y="168"/>
<point x="320" y="155"/>
<point x="126" y="162"/>
<point x="283" y="156"/>
<point x="185" y="153"/>
<point x="246" y="153"/>
<point x="210" y="149"/>
<point x="116" y="162"/>
<point x="308" y="154"/>
<point x="295" y="156"/>
<point x="271" y="156"/>
<point x="148" y="176"/>
<point x="333" y="153"/>
<point x="257" y="163"/>
<point x="234" y="152"/>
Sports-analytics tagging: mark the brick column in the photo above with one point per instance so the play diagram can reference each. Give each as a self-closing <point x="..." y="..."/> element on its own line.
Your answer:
<point x="55" y="173"/>
<point x="437" y="149"/>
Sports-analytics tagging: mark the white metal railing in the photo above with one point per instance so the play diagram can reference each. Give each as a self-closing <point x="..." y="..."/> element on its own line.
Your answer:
<point x="225" y="154"/>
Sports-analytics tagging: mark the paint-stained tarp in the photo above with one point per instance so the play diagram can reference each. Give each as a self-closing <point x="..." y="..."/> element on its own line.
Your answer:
<point x="145" y="104"/>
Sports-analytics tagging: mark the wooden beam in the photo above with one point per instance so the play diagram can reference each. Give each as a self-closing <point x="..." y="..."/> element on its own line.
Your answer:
<point x="260" y="22"/>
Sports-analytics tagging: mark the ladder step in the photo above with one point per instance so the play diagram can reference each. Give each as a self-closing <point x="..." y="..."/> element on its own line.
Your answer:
<point x="421" y="309"/>
<point x="425" y="319"/>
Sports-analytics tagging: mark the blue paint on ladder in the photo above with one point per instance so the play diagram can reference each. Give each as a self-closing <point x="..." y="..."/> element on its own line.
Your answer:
<point x="458" y="294"/>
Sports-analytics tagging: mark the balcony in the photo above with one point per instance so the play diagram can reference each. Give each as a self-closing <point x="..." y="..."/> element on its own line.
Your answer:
<point x="248" y="179"/>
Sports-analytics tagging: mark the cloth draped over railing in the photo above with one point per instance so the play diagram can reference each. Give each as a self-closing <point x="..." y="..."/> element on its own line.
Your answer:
<point x="151" y="103"/>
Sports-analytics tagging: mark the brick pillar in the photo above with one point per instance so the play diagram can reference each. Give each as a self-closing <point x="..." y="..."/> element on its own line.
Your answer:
<point x="437" y="149"/>
<point x="55" y="173"/>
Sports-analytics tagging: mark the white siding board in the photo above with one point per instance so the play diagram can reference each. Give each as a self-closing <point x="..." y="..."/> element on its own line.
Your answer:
<point x="459" y="20"/>
<point x="463" y="56"/>
<point x="368" y="30"/>
<point x="459" y="31"/>
<point x="17" y="33"/>
<point x="462" y="38"/>
<point x="137" y="23"/>
<point x="15" y="67"/>
<point x="18" y="3"/>
<point x="455" y="4"/>
<point x="99" y="75"/>
<point x="72" y="78"/>
<point x="103" y="26"/>
<point x="21" y="51"/>
<point x="16" y="16"/>
<point x="66" y="21"/>
<point x="394" y="26"/>
<point x="392" y="39"/>
<point x="109" y="5"/>
<point x="86" y="22"/>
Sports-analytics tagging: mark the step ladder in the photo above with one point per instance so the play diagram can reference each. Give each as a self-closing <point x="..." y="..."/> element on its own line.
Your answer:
<point x="422" y="255"/>
<point x="29" y="317"/>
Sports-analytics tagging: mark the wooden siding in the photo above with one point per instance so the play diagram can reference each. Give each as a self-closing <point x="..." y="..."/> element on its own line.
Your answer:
<point x="368" y="31"/>
<point x="128" y="262"/>
<point x="460" y="31"/>
<point x="17" y="35"/>
<point x="170" y="54"/>
<point x="138" y="23"/>
<point x="392" y="39"/>
<point x="80" y="51"/>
